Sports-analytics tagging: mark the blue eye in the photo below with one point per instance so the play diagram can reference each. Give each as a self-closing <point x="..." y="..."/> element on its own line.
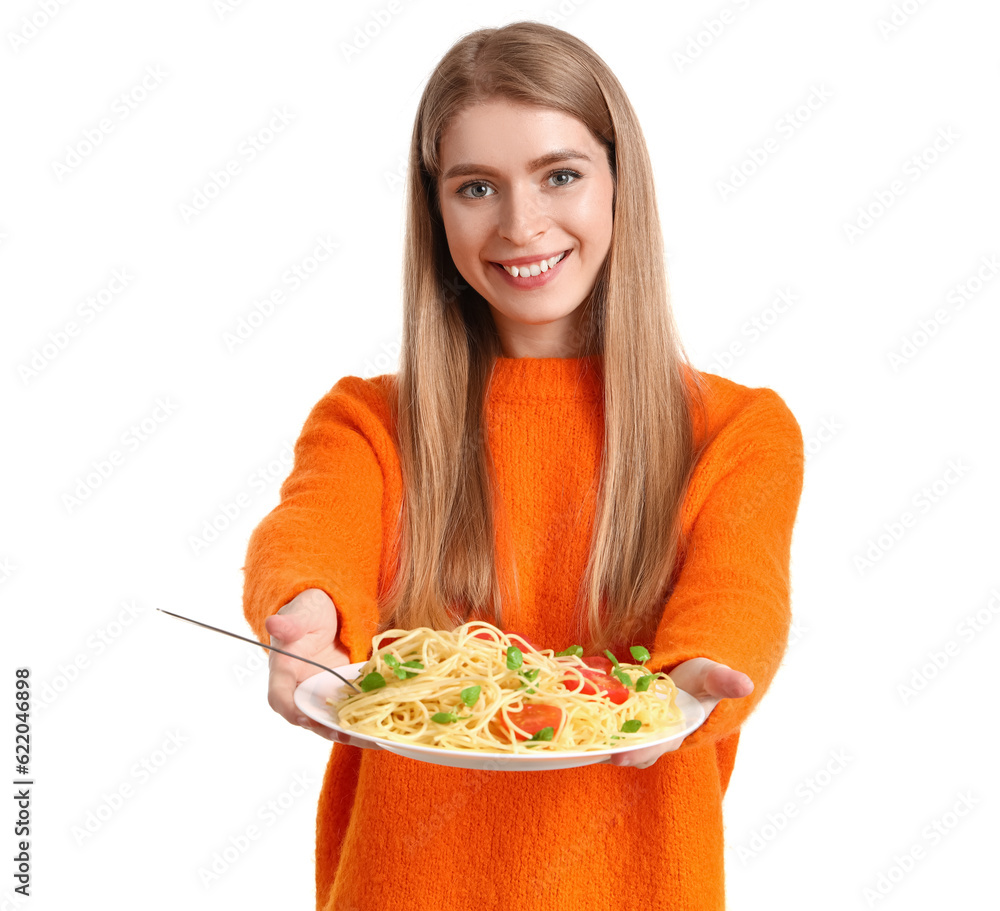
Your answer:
<point x="564" y="172"/>
<point x="476" y="183"/>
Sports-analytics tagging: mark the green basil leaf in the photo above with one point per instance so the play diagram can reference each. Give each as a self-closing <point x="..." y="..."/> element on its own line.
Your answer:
<point x="400" y="673"/>
<point x="532" y="673"/>
<point x="614" y="660"/>
<point x="630" y="727"/>
<point x="642" y="684"/>
<point x="621" y="675"/>
<point x="444" y="717"/>
<point x="391" y="660"/>
<point x="639" y="653"/>
<point x="470" y="694"/>
<point x="515" y="658"/>
<point x="543" y="734"/>
<point x="372" y="681"/>
<point x="415" y="664"/>
<point x="574" y="651"/>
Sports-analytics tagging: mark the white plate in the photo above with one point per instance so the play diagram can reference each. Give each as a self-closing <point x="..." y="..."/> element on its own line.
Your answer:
<point x="312" y="693"/>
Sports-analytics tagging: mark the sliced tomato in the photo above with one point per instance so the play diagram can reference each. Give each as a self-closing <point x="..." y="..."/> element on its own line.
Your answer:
<point x="598" y="683"/>
<point x="532" y="718"/>
<point x="600" y="662"/>
<point x="386" y="641"/>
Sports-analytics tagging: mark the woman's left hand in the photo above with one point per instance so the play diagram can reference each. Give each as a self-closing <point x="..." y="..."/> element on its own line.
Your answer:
<point x="706" y="680"/>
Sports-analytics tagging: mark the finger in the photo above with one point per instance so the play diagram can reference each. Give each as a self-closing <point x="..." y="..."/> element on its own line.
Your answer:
<point x="726" y="683"/>
<point x="633" y="763"/>
<point x="281" y="699"/>
<point x="638" y="758"/>
<point x="342" y="737"/>
<point x="690" y="675"/>
<point x="702" y="678"/>
<point x="305" y="625"/>
<point x="317" y="728"/>
<point x="291" y="624"/>
<point x="281" y="685"/>
<point x="287" y="627"/>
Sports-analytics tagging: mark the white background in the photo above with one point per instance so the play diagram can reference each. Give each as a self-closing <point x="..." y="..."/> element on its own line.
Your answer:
<point x="118" y="689"/>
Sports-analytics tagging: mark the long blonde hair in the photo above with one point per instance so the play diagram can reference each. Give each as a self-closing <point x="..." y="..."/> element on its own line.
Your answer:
<point x="447" y="567"/>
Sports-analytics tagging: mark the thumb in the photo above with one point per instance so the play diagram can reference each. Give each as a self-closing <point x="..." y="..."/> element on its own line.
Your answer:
<point x="723" y="681"/>
<point x="702" y="677"/>
<point x="285" y="627"/>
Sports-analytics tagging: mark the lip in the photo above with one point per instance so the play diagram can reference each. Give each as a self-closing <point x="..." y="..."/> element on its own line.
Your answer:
<point x="533" y="281"/>
<point x="527" y="260"/>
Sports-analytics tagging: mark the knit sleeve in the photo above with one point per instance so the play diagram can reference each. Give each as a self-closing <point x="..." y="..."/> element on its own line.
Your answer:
<point x="326" y="531"/>
<point x="731" y="602"/>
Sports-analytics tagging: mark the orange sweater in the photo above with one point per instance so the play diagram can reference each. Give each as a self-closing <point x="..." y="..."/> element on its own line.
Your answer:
<point x="395" y="832"/>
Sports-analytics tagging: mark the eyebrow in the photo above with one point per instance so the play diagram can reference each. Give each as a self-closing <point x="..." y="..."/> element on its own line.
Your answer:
<point x="463" y="170"/>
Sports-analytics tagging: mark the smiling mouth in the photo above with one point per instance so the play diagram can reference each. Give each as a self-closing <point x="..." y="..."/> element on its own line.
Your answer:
<point x="532" y="269"/>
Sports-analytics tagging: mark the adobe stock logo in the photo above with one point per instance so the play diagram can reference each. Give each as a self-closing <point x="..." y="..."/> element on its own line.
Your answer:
<point x="939" y="659"/>
<point x="899" y="17"/>
<point x="93" y="136"/>
<point x="931" y="836"/>
<point x="786" y="126"/>
<point x="107" y="465"/>
<point x="61" y="337"/>
<point x="804" y="793"/>
<point x="365" y="34"/>
<point x="957" y="296"/>
<point x="266" y="305"/>
<point x="915" y="168"/>
<point x="712" y="29"/>
<point x="753" y="329"/>
<point x="249" y="149"/>
<point x="923" y="501"/>
<point x="30" y="28"/>
<point x="229" y="855"/>
<point x="230" y="509"/>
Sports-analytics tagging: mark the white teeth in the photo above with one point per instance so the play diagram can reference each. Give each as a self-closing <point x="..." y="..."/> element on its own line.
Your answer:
<point x="534" y="268"/>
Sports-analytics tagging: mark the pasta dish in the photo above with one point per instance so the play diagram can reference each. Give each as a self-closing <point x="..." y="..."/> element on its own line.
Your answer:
<point x="478" y="688"/>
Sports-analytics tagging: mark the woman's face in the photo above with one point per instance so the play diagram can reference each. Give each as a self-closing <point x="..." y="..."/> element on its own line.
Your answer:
<point x="521" y="184"/>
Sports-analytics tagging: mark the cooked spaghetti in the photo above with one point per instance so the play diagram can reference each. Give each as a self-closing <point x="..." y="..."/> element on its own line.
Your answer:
<point x="477" y="688"/>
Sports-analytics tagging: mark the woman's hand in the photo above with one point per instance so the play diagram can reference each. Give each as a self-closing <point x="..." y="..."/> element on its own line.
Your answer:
<point x="307" y="626"/>
<point x="706" y="680"/>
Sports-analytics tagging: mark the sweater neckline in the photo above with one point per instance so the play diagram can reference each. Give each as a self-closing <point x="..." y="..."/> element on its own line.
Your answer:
<point x="547" y="378"/>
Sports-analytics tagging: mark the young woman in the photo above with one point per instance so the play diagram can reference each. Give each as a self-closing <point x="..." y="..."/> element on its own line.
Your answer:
<point x="548" y="460"/>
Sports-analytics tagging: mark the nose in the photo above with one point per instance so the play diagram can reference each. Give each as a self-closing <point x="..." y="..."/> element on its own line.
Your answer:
<point x="522" y="216"/>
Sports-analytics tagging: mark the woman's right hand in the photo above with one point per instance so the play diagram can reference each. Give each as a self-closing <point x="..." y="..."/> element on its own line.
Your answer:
<point x="307" y="626"/>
